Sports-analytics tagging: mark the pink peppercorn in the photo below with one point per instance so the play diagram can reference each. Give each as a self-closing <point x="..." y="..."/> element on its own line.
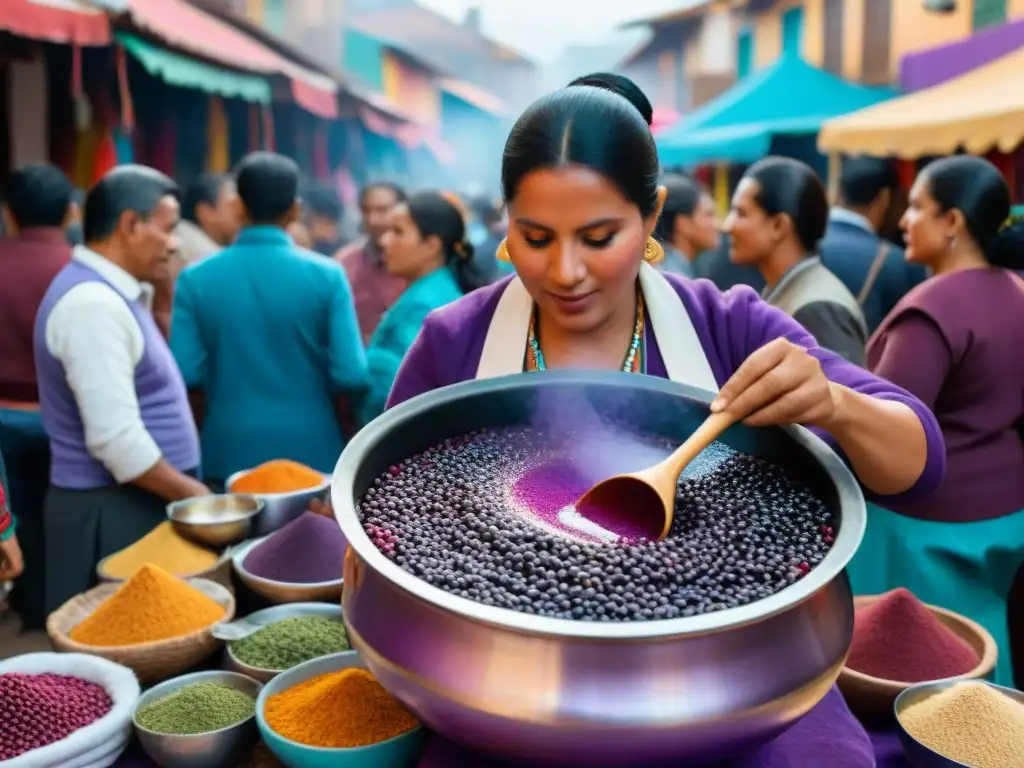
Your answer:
<point x="37" y="710"/>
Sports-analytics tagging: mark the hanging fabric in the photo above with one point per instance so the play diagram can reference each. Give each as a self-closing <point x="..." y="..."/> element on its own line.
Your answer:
<point x="268" y="127"/>
<point x="218" y="138"/>
<point x="124" y="92"/>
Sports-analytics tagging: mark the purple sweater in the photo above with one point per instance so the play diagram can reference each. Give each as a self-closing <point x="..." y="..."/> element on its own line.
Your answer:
<point x="730" y="327"/>
<point x="955" y="341"/>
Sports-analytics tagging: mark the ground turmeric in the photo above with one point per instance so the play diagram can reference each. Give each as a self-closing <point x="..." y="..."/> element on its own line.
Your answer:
<point x="164" y="548"/>
<point x="278" y="476"/>
<point x="152" y="605"/>
<point x="338" y="710"/>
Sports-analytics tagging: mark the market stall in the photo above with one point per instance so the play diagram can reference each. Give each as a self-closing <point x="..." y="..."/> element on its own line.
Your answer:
<point x="977" y="112"/>
<point x="472" y="603"/>
<point x="776" y="110"/>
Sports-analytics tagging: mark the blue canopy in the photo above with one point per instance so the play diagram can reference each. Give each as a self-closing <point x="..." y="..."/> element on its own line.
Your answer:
<point x="787" y="98"/>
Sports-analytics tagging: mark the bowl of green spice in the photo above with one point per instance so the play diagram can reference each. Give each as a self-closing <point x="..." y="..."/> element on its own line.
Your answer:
<point x="202" y="720"/>
<point x="288" y="635"/>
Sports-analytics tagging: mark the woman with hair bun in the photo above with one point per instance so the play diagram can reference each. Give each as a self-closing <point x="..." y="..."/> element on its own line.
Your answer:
<point x="425" y="244"/>
<point x="581" y="180"/>
<point x="956" y="342"/>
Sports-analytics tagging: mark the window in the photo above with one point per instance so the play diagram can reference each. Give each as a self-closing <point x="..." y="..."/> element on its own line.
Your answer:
<point x="832" y="36"/>
<point x="793" y="31"/>
<point x="989" y="13"/>
<point x="744" y="53"/>
<point x="877" y="42"/>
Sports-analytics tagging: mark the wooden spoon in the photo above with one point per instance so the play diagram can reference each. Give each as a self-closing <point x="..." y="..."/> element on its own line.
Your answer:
<point x="645" y="501"/>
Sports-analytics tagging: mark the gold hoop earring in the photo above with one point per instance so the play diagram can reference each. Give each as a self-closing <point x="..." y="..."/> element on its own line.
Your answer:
<point x="502" y="252"/>
<point x="653" y="252"/>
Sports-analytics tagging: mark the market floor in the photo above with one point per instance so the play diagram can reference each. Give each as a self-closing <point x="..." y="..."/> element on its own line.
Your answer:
<point x="14" y="642"/>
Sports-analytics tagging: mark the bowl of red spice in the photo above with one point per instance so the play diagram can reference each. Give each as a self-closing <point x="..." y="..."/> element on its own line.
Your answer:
<point x="287" y="488"/>
<point x="899" y="641"/>
<point x="332" y="713"/>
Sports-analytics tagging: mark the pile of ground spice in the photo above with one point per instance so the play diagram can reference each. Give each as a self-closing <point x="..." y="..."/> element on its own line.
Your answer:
<point x="898" y="638"/>
<point x="338" y="710"/>
<point x="278" y="476"/>
<point x="971" y="723"/>
<point x="283" y="644"/>
<point x="308" y="550"/>
<point x="197" y="708"/>
<point x="37" y="710"/>
<point x="151" y="606"/>
<point x="164" y="548"/>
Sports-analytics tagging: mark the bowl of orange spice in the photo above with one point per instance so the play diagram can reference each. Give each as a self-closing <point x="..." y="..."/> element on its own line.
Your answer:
<point x="332" y="713"/>
<point x="285" y="487"/>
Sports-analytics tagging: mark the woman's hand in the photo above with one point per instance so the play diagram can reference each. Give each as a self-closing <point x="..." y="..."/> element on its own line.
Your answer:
<point x="11" y="562"/>
<point x="780" y="383"/>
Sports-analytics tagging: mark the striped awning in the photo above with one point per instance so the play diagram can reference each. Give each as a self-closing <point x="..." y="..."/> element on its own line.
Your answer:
<point x="68" y="22"/>
<point x="192" y="30"/>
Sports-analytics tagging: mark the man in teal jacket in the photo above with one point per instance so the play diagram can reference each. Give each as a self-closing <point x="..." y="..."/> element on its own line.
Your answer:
<point x="267" y="332"/>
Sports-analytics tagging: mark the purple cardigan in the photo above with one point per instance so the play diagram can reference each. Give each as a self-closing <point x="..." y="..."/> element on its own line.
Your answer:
<point x="730" y="327"/>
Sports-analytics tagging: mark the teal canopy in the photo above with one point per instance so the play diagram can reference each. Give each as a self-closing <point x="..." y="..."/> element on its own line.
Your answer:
<point x="185" y="72"/>
<point x="787" y="98"/>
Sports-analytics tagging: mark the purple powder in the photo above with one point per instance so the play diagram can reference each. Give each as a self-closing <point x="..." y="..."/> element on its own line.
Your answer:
<point x="550" y="492"/>
<point x="308" y="550"/>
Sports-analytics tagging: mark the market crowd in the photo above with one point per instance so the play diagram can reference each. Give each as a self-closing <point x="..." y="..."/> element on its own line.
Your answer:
<point x="194" y="333"/>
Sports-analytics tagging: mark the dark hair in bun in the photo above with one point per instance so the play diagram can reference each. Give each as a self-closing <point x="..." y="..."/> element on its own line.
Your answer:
<point x="435" y="215"/>
<point x="977" y="189"/>
<point x="601" y="122"/>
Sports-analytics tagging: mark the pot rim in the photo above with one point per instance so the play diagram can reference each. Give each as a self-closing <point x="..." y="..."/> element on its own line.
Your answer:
<point x="848" y="539"/>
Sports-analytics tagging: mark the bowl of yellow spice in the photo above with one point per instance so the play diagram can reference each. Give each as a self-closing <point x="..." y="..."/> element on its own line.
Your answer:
<point x="154" y="623"/>
<point x="332" y="713"/>
<point x="165" y="548"/>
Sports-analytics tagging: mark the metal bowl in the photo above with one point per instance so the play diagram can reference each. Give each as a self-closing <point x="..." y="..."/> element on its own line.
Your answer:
<point x="271" y="616"/>
<point x="539" y="689"/>
<point x="281" y="591"/>
<point x="917" y="753"/>
<point x="215" y="521"/>
<point x="281" y="508"/>
<point x="225" y="748"/>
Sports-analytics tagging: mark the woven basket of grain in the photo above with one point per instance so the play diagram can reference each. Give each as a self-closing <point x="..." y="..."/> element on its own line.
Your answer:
<point x="151" y="662"/>
<point x="219" y="572"/>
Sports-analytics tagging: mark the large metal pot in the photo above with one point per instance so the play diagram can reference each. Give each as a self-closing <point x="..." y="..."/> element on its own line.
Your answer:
<point x="544" y="690"/>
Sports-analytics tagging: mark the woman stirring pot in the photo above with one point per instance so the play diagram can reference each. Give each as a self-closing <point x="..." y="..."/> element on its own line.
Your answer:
<point x="581" y="180"/>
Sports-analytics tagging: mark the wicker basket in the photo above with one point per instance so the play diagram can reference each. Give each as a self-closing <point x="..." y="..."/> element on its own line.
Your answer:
<point x="151" y="662"/>
<point x="219" y="572"/>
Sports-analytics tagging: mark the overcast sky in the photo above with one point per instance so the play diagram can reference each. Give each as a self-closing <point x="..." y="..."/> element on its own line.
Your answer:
<point x="541" y="28"/>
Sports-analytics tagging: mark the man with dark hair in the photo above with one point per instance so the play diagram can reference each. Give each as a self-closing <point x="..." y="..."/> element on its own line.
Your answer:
<point x="210" y="219"/>
<point x="872" y="268"/>
<point x="323" y="219"/>
<point x="38" y="209"/>
<point x="267" y="333"/>
<point x="114" y="405"/>
<point x="687" y="226"/>
<point x="375" y="289"/>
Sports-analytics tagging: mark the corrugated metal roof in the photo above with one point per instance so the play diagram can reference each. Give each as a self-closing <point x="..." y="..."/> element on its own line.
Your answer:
<point x="687" y="9"/>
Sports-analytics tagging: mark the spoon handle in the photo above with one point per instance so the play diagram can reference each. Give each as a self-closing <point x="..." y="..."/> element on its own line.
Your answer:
<point x="709" y="431"/>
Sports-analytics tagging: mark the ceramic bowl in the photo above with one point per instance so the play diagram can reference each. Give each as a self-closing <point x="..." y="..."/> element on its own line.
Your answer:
<point x="280" y="591"/>
<point x="399" y="752"/>
<point x="917" y="753"/>
<point x="874" y="696"/>
<point x="270" y="616"/>
<point x="225" y="748"/>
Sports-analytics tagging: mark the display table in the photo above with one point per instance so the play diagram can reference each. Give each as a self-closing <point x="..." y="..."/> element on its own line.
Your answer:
<point x="441" y="753"/>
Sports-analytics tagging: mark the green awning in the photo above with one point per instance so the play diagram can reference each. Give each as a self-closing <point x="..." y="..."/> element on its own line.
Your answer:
<point x="184" y="72"/>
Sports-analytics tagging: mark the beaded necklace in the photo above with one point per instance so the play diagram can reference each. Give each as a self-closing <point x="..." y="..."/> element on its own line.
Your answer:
<point x="632" y="363"/>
